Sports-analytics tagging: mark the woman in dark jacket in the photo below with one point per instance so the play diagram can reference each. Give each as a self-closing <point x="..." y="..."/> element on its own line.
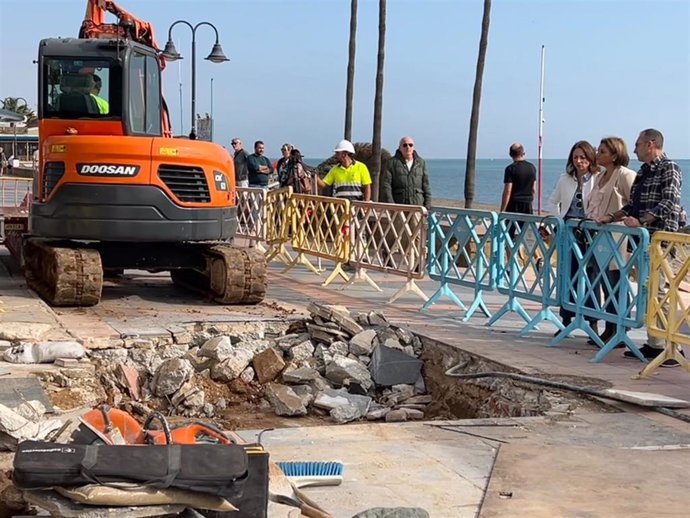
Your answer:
<point x="406" y="178"/>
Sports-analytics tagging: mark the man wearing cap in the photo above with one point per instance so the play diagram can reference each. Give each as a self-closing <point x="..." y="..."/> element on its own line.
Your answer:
<point x="240" y="160"/>
<point x="350" y="179"/>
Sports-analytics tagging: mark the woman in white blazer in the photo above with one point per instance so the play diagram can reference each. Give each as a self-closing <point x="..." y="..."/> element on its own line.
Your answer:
<point x="610" y="192"/>
<point x="568" y="200"/>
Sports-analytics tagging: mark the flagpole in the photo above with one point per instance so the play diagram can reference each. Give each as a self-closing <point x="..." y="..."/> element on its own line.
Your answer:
<point x="541" y="134"/>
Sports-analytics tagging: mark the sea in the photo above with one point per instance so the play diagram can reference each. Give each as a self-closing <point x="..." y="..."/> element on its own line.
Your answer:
<point x="447" y="177"/>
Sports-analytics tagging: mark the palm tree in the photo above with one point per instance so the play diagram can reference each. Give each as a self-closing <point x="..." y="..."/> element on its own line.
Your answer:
<point x="18" y="105"/>
<point x="378" y="102"/>
<point x="349" y="93"/>
<point x="474" y="118"/>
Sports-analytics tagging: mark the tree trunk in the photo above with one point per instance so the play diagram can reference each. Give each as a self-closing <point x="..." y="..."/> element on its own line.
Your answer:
<point x="476" y="99"/>
<point x="378" y="103"/>
<point x="349" y="92"/>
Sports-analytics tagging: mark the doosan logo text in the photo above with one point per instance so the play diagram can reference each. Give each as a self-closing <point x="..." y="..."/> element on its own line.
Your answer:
<point x="107" y="169"/>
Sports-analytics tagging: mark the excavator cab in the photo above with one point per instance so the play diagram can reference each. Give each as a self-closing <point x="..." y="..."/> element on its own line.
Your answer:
<point x="116" y="192"/>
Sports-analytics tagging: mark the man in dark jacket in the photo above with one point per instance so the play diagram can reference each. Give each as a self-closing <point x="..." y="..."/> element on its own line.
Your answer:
<point x="406" y="178"/>
<point x="240" y="159"/>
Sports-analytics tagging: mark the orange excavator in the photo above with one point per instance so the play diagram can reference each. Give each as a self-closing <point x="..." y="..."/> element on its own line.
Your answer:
<point x="114" y="189"/>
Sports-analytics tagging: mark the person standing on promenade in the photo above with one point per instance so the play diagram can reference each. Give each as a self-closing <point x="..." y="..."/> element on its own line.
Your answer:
<point x="406" y="177"/>
<point x="654" y="204"/>
<point x="518" y="183"/>
<point x="350" y="179"/>
<point x="282" y="165"/>
<point x="568" y="199"/>
<point x="259" y="166"/>
<point x="240" y="159"/>
<point x="610" y="192"/>
<point x="3" y="162"/>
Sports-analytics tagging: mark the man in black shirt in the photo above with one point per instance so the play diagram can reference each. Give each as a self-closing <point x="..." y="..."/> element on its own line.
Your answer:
<point x="518" y="180"/>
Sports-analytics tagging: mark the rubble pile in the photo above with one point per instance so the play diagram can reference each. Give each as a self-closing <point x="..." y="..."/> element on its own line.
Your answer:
<point x="334" y="363"/>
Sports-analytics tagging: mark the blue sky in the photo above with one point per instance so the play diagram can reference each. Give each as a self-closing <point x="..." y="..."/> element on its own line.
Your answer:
<point x="613" y="67"/>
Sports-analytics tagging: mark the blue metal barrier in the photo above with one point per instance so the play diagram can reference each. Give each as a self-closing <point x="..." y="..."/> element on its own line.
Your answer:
<point x="597" y="249"/>
<point x="527" y="246"/>
<point x="462" y="245"/>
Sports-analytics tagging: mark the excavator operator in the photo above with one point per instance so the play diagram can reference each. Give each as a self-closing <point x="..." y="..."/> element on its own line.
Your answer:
<point x="103" y="105"/>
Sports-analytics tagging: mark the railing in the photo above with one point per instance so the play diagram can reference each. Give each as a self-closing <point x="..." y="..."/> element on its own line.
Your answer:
<point x="277" y="224"/>
<point x="388" y="238"/>
<point x="251" y="214"/>
<point x="462" y="245"/>
<point x="527" y="250"/>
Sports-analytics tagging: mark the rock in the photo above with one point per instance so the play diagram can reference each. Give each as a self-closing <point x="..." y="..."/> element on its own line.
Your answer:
<point x="364" y="360"/>
<point x="268" y="364"/>
<point x="172" y="351"/>
<point x="391" y="367"/>
<point x="218" y="348"/>
<point x="254" y="346"/>
<point x="342" y="369"/>
<point x="170" y="376"/>
<point x="190" y="396"/>
<point x="301" y="375"/>
<point x="284" y="400"/>
<point x="396" y="416"/>
<point x="341" y="348"/>
<point x="285" y="343"/>
<point x="419" y="400"/>
<point x="404" y="335"/>
<point x="305" y="393"/>
<point x="421" y="408"/>
<point x="398" y="394"/>
<point x="362" y="319"/>
<point x="377" y="318"/>
<point x="15" y="428"/>
<point x="394" y="343"/>
<point x="345" y="413"/>
<point x="329" y="330"/>
<point x="69" y="363"/>
<point x="363" y="343"/>
<point x="323" y="357"/>
<point x="128" y="378"/>
<point x="109" y="356"/>
<point x="321" y="337"/>
<point x="330" y="398"/>
<point x="377" y="412"/>
<point x="302" y="351"/>
<point x="146" y="359"/>
<point x="199" y="363"/>
<point x="14" y="331"/>
<point x="30" y="410"/>
<point x="412" y="414"/>
<point x="417" y="346"/>
<point x="339" y="315"/>
<point x="247" y="375"/>
<point x="232" y="367"/>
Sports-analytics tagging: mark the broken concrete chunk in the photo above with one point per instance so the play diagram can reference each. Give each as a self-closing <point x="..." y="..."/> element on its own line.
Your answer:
<point x="268" y="364"/>
<point x="14" y="331"/>
<point x="217" y="348"/>
<point x="232" y="367"/>
<point x="376" y="318"/>
<point x="330" y="398"/>
<point x="170" y="376"/>
<point x="302" y="351"/>
<point x="199" y="363"/>
<point x="396" y="416"/>
<point x="345" y="414"/>
<point x="391" y="367"/>
<point x="363" y="343"/>
<point x="128" y="378"/>
<point x="247" y="375"/>
<point x="340" y="348"/>
<point x="342" y="369"/>
<point x="301" y="375"/>
<point x="15" y="428"/>
<point x="405" y="335"/>
<point x="284" y="400"/>
<point x="419" y="400"/>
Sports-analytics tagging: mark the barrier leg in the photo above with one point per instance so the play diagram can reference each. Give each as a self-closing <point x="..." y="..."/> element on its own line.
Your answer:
<point x="477" y="303"/>
<point x="362" y="275"/>
<point x="512" y="305"/>
<point x="301" y="259"/>
<point x="545" y="314"/>
<point x="338" y="270"/>
<point x="619" y="337"/>
<point x="670" y="352"/>
<point x="444" y="290"/>
<point x="279" y="252"/>
<point x="410" y="287"/>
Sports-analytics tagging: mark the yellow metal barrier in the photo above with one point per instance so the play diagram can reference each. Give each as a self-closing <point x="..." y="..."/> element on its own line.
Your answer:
<point x="320" y="227"/>
<point x="389" y="238"/>
<point x="251" y="214"/>
<point x="668" y="306"/>
<point x="277" y="224"/>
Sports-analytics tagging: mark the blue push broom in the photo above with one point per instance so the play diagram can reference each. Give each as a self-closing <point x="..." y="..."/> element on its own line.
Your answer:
<point x="313" y="473"/>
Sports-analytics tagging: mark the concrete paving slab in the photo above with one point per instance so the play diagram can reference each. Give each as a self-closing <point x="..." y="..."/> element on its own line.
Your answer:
<point x="592" y="482"/>
<point x="390" y="465"/>
<point x="648" y="399"/>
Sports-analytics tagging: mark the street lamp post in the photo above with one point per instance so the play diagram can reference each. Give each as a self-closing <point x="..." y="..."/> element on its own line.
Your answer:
<point x="216" y="56"/>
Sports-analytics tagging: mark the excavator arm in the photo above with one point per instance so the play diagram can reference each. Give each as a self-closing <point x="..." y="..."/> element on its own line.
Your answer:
<point x="128" y="26"/>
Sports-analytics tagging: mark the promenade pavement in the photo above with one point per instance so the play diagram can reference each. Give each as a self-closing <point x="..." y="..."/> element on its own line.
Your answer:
<point x="609" y="464"/>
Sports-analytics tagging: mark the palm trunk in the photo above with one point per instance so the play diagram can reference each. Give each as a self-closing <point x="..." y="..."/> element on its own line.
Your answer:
<point x="474" y="118"/>
<point x="349" y="92"/>
<point x="378" y="103"/>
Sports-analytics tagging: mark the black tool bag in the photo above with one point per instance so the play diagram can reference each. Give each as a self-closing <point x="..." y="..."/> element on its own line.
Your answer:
<point x="208" y="468"/>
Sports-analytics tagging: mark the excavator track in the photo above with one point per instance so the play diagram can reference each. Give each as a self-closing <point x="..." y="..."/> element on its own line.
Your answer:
<point x="232" y="275"/>
<point x="63" y="275"/>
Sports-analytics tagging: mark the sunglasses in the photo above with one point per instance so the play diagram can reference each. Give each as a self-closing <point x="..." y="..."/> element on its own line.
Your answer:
<point x="407" y="145"/>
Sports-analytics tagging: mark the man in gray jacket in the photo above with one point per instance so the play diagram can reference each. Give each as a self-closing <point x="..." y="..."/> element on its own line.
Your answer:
<point x="406" y="178"/>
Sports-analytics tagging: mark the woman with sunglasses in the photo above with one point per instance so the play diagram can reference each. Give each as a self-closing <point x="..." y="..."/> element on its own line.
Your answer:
<point x="568" y="199"/>
<point x="610" y="193"/>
